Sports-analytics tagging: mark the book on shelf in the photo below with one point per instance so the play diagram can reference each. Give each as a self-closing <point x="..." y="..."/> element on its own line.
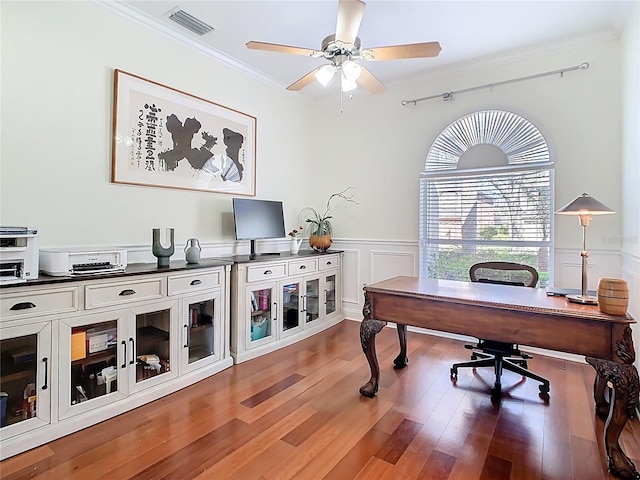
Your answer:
<point x="254" y="302"/>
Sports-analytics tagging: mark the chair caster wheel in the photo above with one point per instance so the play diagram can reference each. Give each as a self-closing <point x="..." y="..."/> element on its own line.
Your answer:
<point x="453" y="373"/>
<point x="544" y="389"/>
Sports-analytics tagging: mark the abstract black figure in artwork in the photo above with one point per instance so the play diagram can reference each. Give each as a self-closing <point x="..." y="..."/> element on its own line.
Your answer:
<point x="182" y="136"/>
<point x="233" y="141"/>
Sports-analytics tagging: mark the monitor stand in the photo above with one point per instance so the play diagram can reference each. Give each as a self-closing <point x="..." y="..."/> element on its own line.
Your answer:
<point x="253" y="253"/>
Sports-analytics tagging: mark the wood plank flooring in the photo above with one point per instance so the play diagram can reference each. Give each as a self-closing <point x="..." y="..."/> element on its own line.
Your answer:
<point x="297" y="414"/>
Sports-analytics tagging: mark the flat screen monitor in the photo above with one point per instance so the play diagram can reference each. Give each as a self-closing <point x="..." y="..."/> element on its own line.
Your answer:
<point x="258" y="219"/>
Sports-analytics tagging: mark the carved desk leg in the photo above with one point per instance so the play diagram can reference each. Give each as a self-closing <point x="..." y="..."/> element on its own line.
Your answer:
<point x="624" y="399"/>
<point x="401" y="360"/>
<point x="369" y="328"/>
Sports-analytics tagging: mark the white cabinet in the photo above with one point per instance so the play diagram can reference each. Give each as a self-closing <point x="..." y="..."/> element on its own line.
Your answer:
<point x="278" y="302"/>
<point x="25" y="378"/>
<point x="76" y="351"/>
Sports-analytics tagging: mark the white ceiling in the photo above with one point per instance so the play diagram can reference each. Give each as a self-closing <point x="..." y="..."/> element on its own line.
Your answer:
<point x="470" y="32"/>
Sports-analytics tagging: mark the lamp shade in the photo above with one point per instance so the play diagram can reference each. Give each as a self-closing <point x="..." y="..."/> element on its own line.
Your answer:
<point x="585" y="205"/>
<point x="325" y="74"/>
<point x="351" y="70"/>
<point x="348" y="85"/>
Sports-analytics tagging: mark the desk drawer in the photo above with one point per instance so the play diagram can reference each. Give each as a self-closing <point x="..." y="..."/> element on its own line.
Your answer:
<point x="266" y="272"/>
<point x="328" y="262"/>
<point x="104" y="295"/>
<point x="303" y="266"/>
<point x="35" y="303"/>
<point x="192" y="282"/>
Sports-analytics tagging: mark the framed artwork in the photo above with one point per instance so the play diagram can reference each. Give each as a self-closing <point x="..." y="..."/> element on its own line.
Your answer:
<point x="163" y="137"/>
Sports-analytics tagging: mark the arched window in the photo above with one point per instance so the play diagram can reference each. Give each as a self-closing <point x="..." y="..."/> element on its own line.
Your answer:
<point x="486" y="195"/>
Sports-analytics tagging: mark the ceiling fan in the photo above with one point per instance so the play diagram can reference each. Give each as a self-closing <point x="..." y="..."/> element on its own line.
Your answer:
<point x="343" y="48"/>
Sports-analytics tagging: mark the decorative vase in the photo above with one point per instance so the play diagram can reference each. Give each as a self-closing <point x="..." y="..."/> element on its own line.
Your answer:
<point x="613" y="296"/>
<point x="320" y="243"/>
<point x="192" y="250"/>
<point x="163" y="253"/>
<point x="295" y="245"/>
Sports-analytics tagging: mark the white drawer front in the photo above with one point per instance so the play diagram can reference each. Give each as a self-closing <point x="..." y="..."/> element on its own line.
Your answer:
<point x="266" y="272"/>
<point x="328" y="262"/>
<point x="38" y="302"/>
<point x="303" y="266"/>
<point x="103" y="295"/>
<point x="193" y="282"/>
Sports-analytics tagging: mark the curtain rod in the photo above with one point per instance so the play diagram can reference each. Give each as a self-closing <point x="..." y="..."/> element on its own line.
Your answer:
<point x="449" y="95"/>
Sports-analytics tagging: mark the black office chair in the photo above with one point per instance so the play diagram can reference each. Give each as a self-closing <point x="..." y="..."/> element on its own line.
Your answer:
<point x="502" y="355"/>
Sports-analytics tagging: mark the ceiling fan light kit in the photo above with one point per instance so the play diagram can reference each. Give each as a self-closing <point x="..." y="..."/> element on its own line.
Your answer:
<point x="343" y="49"/>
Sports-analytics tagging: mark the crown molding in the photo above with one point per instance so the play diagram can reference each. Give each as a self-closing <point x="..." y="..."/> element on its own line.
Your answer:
<point x="141" y="18"/>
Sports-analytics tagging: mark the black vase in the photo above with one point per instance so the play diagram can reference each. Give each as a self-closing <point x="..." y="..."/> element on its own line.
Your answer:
<point x="163" y="253"/>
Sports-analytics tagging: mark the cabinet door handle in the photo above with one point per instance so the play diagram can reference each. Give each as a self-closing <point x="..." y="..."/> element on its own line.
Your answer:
<point x="196" y="282"/>
<point x="46" y="373"/>
<point x="186" y="341"/>
<point x="303" y="267"/>
<point x="23" y="306"/>
<point x="326" y="294"/>
<point x="127" y="291"/>
<point x="267" y="272"/>
<point x="304" y="303"/>
<point x="275" y="317"/>
<point x="124" y="357"/>
<point x="133" y="351"/>
<point x="328" y="262"/>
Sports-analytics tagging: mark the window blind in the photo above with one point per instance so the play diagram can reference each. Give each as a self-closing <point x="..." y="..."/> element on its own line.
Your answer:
<point x="499" y="212"/>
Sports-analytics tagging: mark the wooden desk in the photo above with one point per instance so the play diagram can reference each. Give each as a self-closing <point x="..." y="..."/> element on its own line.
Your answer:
<point x="513" y="314"/>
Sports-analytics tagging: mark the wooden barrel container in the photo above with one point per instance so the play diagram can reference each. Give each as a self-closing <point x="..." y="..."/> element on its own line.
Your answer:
<point x="613" y="296"/>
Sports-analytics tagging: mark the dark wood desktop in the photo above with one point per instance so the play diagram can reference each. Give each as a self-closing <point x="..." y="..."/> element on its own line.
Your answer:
<point x="525" y="316"/>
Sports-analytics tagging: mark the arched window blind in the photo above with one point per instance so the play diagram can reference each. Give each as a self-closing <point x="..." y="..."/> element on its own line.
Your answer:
<point x="486" y="195"/>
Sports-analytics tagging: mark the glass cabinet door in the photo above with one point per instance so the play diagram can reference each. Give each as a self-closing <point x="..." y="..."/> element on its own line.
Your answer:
<point x="261" y="301"/>
<point x="90" y="362"/>
<point x="151" y="346"/>
<point x="330" y="294"/>
<point x="201" y="331"/>
<point x="25" y="378"/>
<point x="311" y="305"/>
<point x="290" y="306"/>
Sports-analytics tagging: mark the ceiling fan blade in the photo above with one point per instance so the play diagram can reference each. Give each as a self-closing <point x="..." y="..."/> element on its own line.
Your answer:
<point x="275" y="47"/>
<point x="370" y="82"/>
<point x="350" y="14"/>
<point x="412" y="50"/>
<point x="304" y="81"/>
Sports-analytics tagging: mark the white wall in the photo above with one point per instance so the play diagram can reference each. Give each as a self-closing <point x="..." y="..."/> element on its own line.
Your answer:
<point x="380" y="146"/>
<point x="631" y="165"/>
<point x="57" y="88"/>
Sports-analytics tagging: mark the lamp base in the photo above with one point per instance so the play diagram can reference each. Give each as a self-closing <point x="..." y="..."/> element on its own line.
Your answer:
<point x="583" y="299"/>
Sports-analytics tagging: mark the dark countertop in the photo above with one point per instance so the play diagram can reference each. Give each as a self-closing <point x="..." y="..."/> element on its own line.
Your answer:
<point x="176" y="266"/>
<point x="274" y="257"/>
<point x="131" y="270"/>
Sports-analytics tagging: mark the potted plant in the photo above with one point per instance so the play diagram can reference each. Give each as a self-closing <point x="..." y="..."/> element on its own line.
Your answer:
<point x="319" y="225"/>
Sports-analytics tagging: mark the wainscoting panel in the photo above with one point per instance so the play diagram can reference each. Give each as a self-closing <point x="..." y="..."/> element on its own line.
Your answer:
<point x="631" y="273"/>
<point x="351" y="286"/>
<point x="388" y="264"/>
<point x="568" y="267"/>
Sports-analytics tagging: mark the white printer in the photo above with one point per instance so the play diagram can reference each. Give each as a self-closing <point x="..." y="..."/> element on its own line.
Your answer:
<point x="18" y="254"/>
<point x="82" y="261"/>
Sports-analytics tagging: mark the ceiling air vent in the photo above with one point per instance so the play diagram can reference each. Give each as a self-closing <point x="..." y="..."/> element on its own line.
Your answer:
<point x="190" y="22"/>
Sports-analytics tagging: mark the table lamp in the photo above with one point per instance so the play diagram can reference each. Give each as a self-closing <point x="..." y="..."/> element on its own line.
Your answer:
<point x="584" y="207"/>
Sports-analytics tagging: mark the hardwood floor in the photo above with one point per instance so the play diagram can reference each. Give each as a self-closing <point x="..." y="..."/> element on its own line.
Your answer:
<point x="297" y="414"/>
